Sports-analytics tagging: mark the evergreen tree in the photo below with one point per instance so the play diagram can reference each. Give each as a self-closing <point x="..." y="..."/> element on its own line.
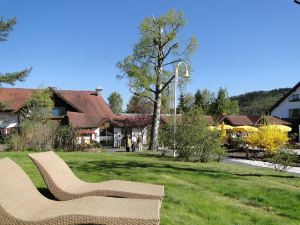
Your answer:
<point x="139" y="105"/>
<point x="12" y="77"/>
<point x="115" y="102"/>
<point x="181" y="105"/>
<point x="223" y="105"/>
<point x="189" y="101"/>
<point x="199" y="101"/>
<point x="203" y="100"/>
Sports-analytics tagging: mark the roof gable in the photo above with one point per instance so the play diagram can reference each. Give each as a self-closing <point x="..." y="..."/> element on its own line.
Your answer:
<point x="237" y="120"/>
<point x="88" y="102"/>
<point x="285" y="96"/>
<point x="252" y="120"/>
<point x="14" y="98"/>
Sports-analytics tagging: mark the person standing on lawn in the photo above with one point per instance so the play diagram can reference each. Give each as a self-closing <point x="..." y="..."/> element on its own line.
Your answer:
<point x="129" y="144"/>
<point x="119" y="140"/>
<point x="126" y="138"/>
<point x="139" y="143"/>
<point x="134" y="144"/>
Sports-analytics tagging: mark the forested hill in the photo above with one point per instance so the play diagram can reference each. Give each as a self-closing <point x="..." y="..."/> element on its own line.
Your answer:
<point x="259" y="102"/>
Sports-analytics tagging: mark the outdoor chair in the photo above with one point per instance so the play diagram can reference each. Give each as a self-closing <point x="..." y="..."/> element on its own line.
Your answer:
<point x="64" y="185"/>
<point x="22" y="204"/>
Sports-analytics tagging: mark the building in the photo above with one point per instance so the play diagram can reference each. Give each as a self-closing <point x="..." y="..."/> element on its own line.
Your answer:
<point x="252" y="120"/>
<point x="288" y="107"/>
<point x="92" y="117"/>
<point x="84" y="110"/>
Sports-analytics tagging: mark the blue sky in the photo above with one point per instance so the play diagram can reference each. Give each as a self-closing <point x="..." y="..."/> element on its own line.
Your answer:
<point x="75" y="44"/>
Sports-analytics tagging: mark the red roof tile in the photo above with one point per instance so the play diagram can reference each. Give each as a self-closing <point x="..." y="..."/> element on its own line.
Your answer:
<point x="252" y="120"/>
<point x="84" y="120"/>
<point x="237" y="120"/>
<point x="276" y="121"/>
<point x="93" y="109"/>
<point x="88" y="102"/>
<point x="86" y="132"/>
<point x="131" y="120"/>
<point x="14" y="98"/>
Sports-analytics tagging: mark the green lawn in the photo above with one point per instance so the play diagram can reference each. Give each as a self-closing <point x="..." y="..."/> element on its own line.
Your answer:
<point x="213" y="193"/>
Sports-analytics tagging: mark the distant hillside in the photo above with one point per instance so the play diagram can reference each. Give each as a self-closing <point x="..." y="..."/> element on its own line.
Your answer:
<point x="259" y="102"/>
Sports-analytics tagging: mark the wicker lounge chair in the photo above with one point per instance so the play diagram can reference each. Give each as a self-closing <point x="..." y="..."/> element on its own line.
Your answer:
<point x="22" y="204"/>
<point x="64" y="185"/>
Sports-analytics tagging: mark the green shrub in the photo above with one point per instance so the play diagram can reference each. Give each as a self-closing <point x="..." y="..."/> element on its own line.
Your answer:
<point x="16" y="142"/>
<point x="194" y="141"/>
<point x="65" y="138"/>
<point x="283" y="159"/>
<point x="39" y="133"/>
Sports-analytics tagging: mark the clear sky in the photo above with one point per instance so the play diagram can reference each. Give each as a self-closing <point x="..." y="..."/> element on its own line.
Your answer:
<point x="75" y="44"/>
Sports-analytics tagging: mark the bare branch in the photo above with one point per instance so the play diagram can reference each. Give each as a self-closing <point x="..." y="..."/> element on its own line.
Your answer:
<point x="170" y="49"/>
<point x="167" y="83"/>
<point x="153" y="63"/>
<point x="138" y="94"/>
<point x="151" y="90"/>
<point x="172" y="62"/>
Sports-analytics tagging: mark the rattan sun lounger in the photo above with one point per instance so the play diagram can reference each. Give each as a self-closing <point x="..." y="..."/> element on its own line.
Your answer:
<point x="22" y="204"/>
<point x="64" y="185"/>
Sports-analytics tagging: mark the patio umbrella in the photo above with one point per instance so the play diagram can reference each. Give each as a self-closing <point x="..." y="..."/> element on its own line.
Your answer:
<point x="245" y="128"/>
<point x="279" y="127"/>
<point x="211" y="128"/>
<point x="223" y="131"/>
<point x="225" y="127"/>
<point x="220" y="127"/>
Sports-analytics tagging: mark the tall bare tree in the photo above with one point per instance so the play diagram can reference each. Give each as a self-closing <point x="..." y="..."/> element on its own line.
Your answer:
<point x="150" y="67"/>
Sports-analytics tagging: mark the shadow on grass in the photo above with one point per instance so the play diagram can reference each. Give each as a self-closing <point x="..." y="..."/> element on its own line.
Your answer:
<point x="126" y="166"/>
<point x="157" y="155"/>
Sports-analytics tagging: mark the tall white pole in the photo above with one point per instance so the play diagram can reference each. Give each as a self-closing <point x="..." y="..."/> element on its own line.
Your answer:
<point x="175" y="99"/>
<point x="175" y="106"/>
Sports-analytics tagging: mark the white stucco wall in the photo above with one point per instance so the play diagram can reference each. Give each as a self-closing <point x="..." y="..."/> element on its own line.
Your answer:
<point x="8" y="120"/>
<point x="117" y="137"/>
<point x="282" y="110"/>
<point x="142" y="132"/>
<point x="96" y="136"/>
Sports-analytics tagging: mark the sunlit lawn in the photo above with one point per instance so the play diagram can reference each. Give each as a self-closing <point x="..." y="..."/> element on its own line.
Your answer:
<point x="213" y="193"/>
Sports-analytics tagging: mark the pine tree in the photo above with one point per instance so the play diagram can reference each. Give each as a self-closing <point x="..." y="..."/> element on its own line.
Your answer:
<point x="115" y="102"/>
<point x="203" y="100"/>
<point x="12" y="77"/>
<point x="181" y="105"/>
<point x="223" y="105"/>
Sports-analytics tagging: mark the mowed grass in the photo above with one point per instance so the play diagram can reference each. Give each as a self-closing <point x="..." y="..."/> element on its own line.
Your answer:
<point x="212" y="194"/>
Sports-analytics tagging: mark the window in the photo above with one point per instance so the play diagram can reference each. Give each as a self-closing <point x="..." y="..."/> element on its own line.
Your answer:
<point x="58" y="111"/>
<point x="294" y="98"/>
<point x="294" y="113"/>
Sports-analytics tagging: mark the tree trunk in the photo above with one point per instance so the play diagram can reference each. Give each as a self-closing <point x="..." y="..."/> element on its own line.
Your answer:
<point x="155" y="122"/>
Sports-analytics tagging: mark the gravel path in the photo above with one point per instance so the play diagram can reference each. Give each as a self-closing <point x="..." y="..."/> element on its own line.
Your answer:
<point x="294" y="170"/>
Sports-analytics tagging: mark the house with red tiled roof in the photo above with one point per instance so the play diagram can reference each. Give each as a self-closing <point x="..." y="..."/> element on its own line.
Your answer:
<point x="85" y="110"/>
<point x="88" y="112"/>
<point x="252" y="120"/>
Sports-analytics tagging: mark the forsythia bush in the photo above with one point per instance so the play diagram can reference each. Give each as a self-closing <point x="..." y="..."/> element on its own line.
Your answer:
<point x="269" y="138"/>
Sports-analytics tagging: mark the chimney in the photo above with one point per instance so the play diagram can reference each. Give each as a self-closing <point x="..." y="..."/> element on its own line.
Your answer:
<point x="99" y="90"/>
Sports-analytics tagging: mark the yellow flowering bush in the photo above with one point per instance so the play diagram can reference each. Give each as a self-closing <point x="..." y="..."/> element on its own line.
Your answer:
<point x="271" y="139"/>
